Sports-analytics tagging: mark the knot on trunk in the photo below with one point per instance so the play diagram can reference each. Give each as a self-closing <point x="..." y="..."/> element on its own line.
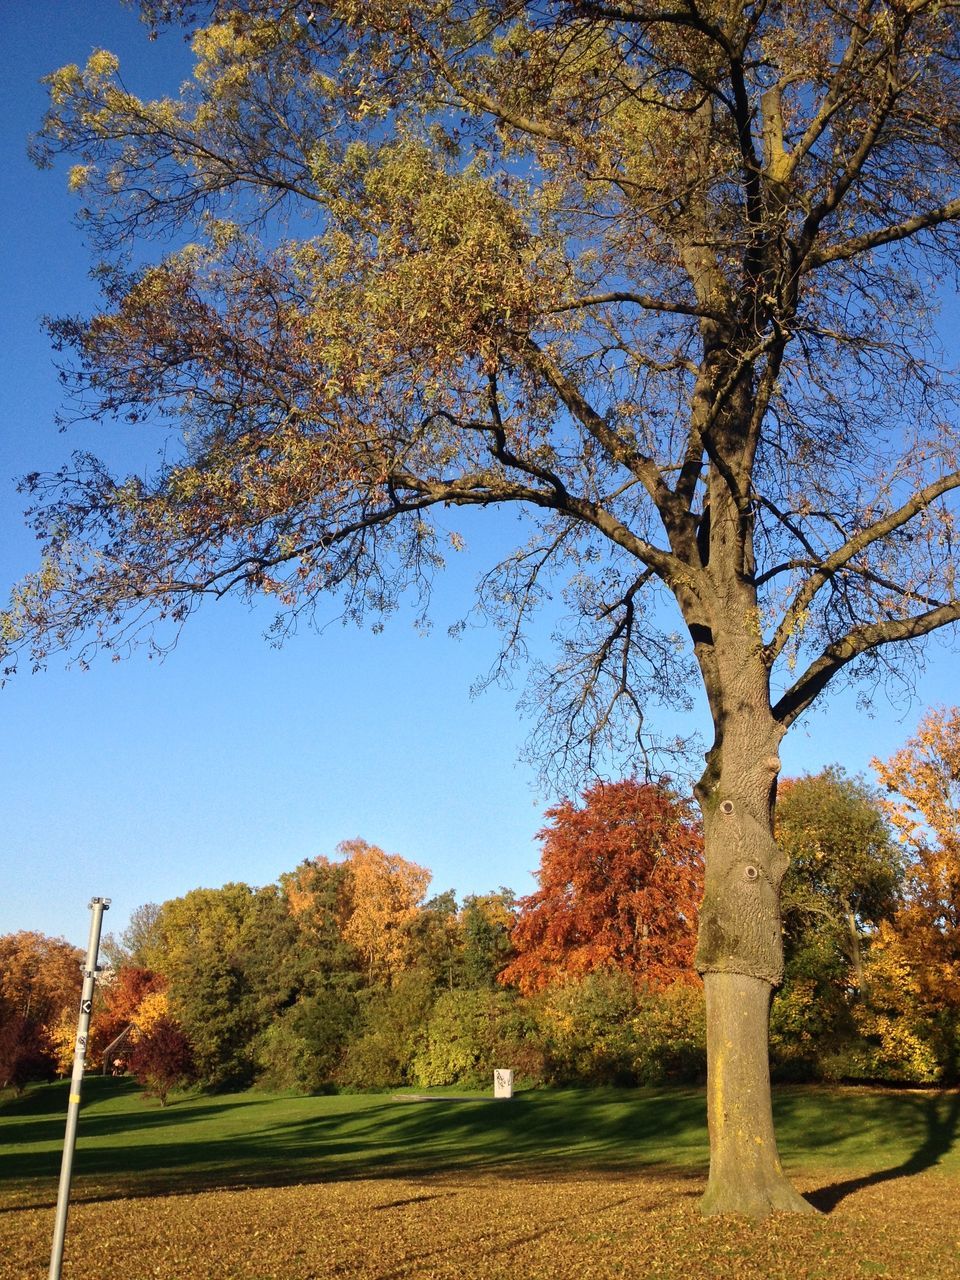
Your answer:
<point x="740" y="917"/>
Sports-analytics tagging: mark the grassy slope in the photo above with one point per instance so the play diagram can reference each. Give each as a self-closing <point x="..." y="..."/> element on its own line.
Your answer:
<point x="128" y="1146"/>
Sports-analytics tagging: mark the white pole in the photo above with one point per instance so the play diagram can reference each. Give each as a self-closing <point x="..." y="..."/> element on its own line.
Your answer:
<point x="98" y="906"/>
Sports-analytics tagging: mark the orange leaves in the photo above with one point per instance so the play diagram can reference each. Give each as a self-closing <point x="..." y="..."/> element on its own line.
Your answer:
<point x="128" y="988"/>
<point x="386" y="893"/>
<point x="130" y="996"/>
<point x="924" y="781"/>
<point x="39" y="976"/>
<point x="926" y="774"/>
<point x="620" y="882"/>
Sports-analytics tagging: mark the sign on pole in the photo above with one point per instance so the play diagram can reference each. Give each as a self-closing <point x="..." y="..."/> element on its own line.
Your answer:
<point x="97" y="906"/>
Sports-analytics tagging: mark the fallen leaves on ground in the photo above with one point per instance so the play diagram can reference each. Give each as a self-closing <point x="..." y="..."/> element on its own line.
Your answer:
<point x="485" y="1228"/>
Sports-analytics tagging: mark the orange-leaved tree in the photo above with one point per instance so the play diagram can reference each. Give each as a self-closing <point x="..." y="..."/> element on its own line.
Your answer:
<point x="924" y="781"/>
<point x="620" y="879"/>
<point x="122" y="996"/>
<point x="319" y="897"/>
<point x="387" y="892"/>
<point x="40" y="977"/>
<point x="40" y="981"/>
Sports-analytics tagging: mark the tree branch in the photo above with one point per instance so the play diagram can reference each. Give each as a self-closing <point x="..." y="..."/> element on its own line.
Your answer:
<point x="852" y="547"/>
<point x="856" y="245"/>
<point x="857" y="642"/>
<point x="645" y="300"/>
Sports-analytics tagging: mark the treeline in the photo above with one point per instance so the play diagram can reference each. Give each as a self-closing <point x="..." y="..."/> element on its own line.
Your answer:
<point x="345" y="974"/>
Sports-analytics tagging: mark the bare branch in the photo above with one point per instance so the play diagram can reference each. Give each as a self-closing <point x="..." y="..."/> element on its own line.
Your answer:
<point x="857" y="642"/>
<point x="842" y="557"/>
<point x="644" y="300"/>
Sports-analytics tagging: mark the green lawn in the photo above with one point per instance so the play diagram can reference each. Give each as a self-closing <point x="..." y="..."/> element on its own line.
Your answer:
<point x="130" y="1146"/>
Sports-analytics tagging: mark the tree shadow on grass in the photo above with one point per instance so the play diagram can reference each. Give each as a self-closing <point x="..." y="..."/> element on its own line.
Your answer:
<point x="941" y="1114"/>
<point x="540" y="1135"/>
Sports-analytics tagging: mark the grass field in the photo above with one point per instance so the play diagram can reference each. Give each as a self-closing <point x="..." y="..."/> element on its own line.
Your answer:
<point x="598" y="1183"/>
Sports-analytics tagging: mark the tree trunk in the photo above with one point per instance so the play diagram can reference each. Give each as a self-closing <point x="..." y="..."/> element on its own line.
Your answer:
<point x="856" y="955"/>
<point x="745" y="1172"/>
<point x="740" y="947"/>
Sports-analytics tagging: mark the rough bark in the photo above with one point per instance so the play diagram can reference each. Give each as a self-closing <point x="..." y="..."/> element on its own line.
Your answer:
<point x="740" y="948"/>
<point x="745" y="1172"/>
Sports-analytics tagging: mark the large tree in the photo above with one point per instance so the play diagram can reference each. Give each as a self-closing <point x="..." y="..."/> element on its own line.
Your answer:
<point x="386" y="894"/>
<point x="39" y="976"/>
<point x="231" y="964"/>
<point x="659" y="276"/>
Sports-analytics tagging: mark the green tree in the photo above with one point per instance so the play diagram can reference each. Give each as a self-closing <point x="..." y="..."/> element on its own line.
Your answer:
<point x="843" y="881"/>
<point x="319" y="896"/>
<point x="231" y="963"/>
<point x="657" y="277"/>
<point x="392" y="1031"/>
<point x="470" y="1034"/>
<point x="303" y="1047"/>
<point x="846" y="868"/>
<point x="135" y="939"/>
<point x="486" y="923"/>
<point x="435" y="938"/>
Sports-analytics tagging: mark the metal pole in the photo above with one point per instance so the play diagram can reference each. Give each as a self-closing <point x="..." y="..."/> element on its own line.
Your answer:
<point x="98" y="906"/>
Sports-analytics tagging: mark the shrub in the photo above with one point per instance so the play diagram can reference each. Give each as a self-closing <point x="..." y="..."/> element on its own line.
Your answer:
<point x="586" y="1031"/>
<point x="303" y="1047"/>
<point x="394" y="1022"/>
<point x="470" y="1034"/>
<point x="670" y="1034"/>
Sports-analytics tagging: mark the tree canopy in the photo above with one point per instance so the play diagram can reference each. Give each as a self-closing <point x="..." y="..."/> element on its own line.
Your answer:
<point x="655" y="276"/>
<point x="923" y="783"/>
<point x="846" y="869"/>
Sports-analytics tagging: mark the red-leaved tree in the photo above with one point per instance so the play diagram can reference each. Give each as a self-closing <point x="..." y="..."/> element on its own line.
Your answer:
<point x="620" y="878"/>
<point x="162" y="1059"/>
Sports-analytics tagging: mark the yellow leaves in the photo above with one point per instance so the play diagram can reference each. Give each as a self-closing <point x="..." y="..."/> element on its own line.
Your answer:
<point x="10" y="629"/>
<point x="154" y="1006"/>
<point x="102" y="64"/>
<point x="61" y="1037"/>
<point x="184" y="484"/>
<point x="64" y="83"/>
<point x="386" y="892"/>
<point x="451" y="263"/>
<point x="899" y="1046"/>
<point x="356" y="156"/>
<point x="925" y="774"/>
<point x="793" y="1020"/>
<point x="226" y="52"/>
<point x="78" y="177"/>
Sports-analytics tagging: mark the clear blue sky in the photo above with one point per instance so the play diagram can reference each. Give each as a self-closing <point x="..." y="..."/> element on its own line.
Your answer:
<point x="233" y="761"/>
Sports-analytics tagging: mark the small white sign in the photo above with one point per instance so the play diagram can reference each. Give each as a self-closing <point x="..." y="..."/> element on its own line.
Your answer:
<point x="503" y="1083"/>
